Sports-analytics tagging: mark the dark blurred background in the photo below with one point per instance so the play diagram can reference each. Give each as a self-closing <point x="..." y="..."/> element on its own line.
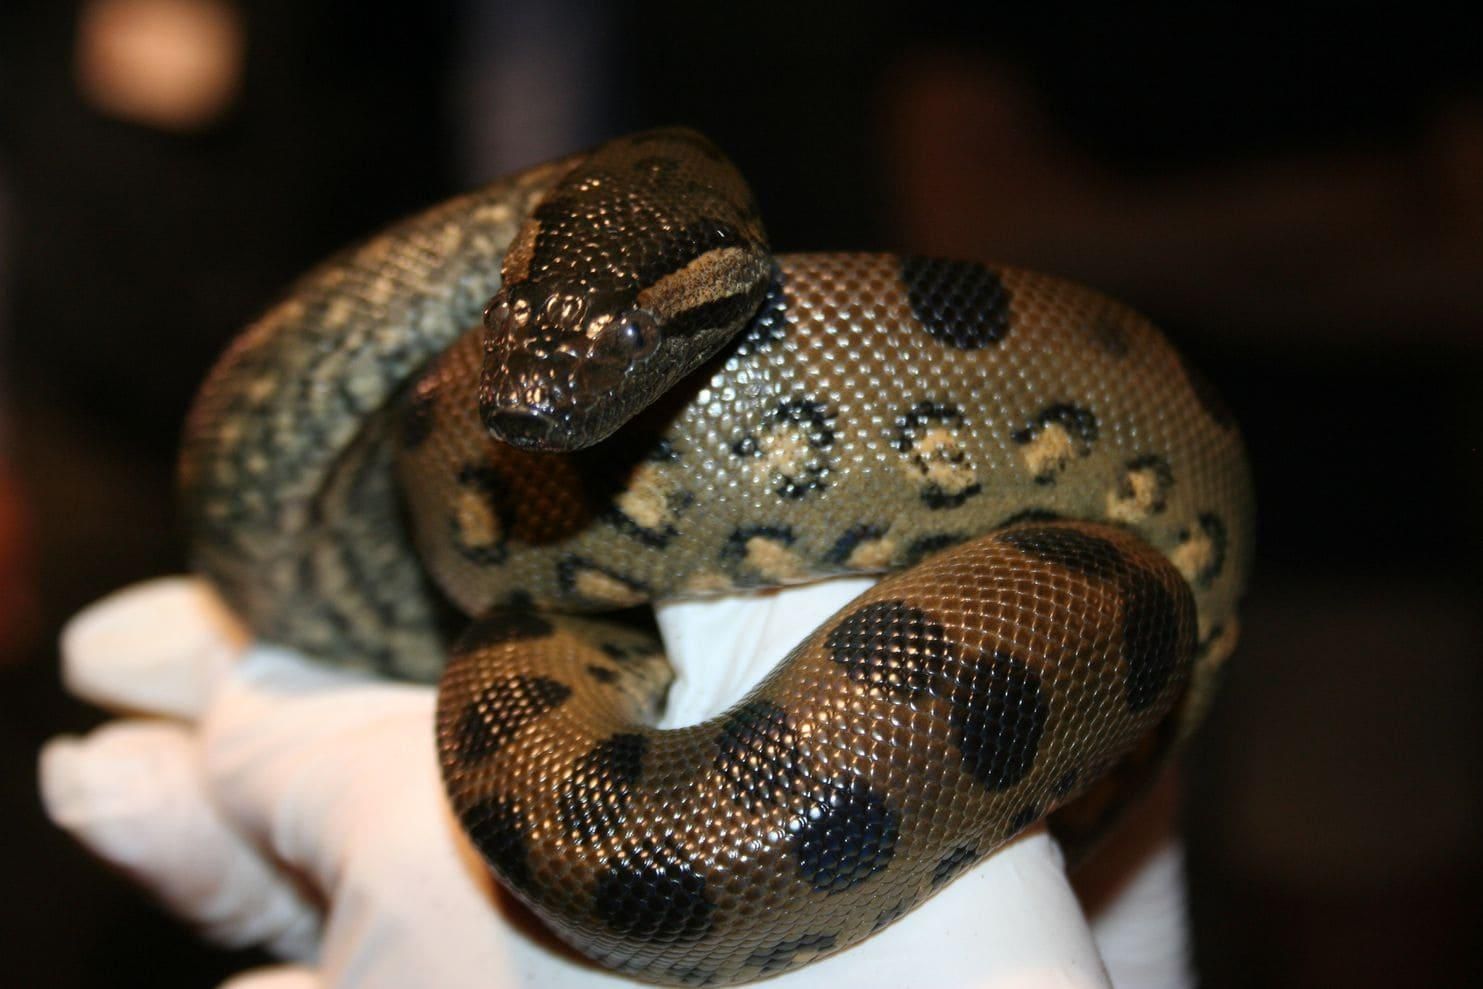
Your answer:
<point x="1294" y="193"/>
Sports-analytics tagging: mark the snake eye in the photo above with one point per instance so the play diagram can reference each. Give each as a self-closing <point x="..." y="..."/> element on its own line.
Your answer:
<point x="634" y="336"/>
<point x="641" y="334"/>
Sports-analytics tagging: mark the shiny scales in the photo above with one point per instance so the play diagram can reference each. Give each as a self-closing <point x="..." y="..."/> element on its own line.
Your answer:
<point x="1061" y="505"/>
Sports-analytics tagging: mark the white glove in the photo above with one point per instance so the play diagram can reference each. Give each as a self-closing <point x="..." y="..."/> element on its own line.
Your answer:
<point x="272" y="801"/>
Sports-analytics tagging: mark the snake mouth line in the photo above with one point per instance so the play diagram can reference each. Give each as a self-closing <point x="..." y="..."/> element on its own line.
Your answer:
<point x="529" y="429"/>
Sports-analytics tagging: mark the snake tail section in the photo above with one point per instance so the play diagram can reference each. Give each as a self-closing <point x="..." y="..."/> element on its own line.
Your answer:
<point x="931" y="720"/>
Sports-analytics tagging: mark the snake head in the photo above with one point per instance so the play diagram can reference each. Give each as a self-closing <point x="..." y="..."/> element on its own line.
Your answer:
<point x="632" y="271"/>
<point x="555" y="379"/>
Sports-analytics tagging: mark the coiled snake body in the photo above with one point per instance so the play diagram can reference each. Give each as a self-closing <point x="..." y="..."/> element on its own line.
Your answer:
<point x="656" y="408"/>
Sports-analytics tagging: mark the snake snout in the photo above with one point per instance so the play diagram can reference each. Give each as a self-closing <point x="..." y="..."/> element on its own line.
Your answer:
<point x="527" y="429"/>
<point x="526" y="396"/>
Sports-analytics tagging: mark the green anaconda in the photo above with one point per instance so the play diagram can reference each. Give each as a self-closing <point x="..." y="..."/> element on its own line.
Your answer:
<point x="591" y="386"/>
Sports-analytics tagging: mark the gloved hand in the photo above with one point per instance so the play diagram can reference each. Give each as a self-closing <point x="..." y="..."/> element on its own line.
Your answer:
<point x="272" y="801"/>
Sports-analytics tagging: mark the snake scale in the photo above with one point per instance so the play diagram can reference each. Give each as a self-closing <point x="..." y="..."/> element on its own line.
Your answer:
<point x="653" y="406"/>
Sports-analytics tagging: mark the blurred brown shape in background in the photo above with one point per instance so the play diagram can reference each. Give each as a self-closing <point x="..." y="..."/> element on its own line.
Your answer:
<point x="172" y="64"/>
<point x="1343" y="244"/>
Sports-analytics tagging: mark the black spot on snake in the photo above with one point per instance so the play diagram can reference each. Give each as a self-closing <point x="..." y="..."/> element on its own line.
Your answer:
<point x="757" y="753"/>
<point x="1209" y="398"/>
<point x="908" y="424"/>
<point x="1066" y="783"/>
<point x="664" y="451"/>
<point x="498" y="830"/>
<point x="500" y="710"/>
<point x="449" y="620"/>
<point x="1211" y="638"/>
<point x="592" y="800"/>
<point x="998" y="716"/>
<point x="678" y="247"/>
<point x="890" y="915"/>
<point x="683" y="973"/>
<point x="904" y="434"/>
<point x="602" y="674"/>
<point x="1215" y="531"/>
<point x="1157" y="635"/>
<point x="1080" y="427"/>
<point x="812" y="416"/>
<point x="1162" y="474"/>
<point x="787" y="952"/>
<point x="942" y="469"/>
<point x="483" y="541"/>
<point x="725" y="311"/>
<point x="1109" y="335"/>
<point x="953" y="864"/>
<point x="1031" y="515"/>
<point x="770" y="324"/>
<point x="844" y="547"/>
<point x="924" y="547"/>
<point x="848" y="835"/>
<point x="961" y="303"/>
<point x="676" y="502"/>
<point x="570" y="569"/>
<point x="503" y="625"/>
<point x="803" y="430"/>
<point x="736" y="547"/>
<point x="890" y="645"/>
<point x="418" y="419"/>
<point x="652" y="893"/>
<point x="736" y="543"/>
<point x="1071" y="549"/>
<point x="625" y="653"/>
<point x="1023" y="818"/>
<point x="935" y="497"/>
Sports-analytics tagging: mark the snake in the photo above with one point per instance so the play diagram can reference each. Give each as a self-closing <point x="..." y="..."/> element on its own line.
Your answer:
<point x="467" y="449"/>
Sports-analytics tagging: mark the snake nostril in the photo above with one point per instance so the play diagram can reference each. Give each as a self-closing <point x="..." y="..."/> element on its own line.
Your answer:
<point x="497" y="314"/>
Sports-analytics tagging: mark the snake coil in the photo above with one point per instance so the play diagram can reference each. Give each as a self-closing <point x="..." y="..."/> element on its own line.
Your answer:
<point x="654" y="407"/>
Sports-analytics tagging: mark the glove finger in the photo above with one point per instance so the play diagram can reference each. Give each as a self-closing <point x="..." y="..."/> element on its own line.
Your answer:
<point x="722" y="647"/>
<point x="1143" y="931"/>
<point x="133" y="793"/>
<point x="338" y="775"/>
<point x="1133" y="890"/>
<point x="299" y="754"/>
<point x="159" y="647"/>
<point x="275" y="977"/>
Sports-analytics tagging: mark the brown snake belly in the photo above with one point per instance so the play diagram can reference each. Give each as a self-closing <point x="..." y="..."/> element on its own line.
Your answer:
<point x="1063" y="507"/>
